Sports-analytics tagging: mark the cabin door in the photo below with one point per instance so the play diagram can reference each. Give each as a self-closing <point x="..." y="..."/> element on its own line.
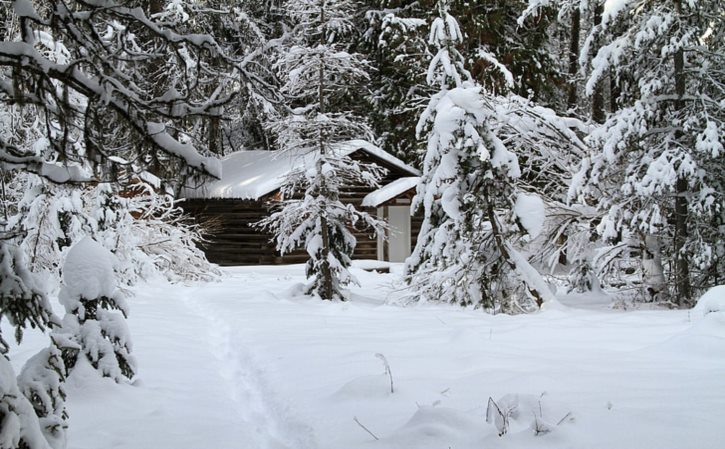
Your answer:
<point x="399" y="233"/>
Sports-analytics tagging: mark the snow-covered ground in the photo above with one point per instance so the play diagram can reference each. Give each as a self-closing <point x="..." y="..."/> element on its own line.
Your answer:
<point x="246" y="364"/>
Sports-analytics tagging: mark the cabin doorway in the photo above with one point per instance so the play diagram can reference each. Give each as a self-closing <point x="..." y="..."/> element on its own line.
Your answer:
<point x="399" y="233"/>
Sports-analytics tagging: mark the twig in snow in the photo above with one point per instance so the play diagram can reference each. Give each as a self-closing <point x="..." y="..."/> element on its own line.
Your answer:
<point x="364" y="428"/>
<point x="387" y="370"/>
<point x="497" y="417"/>
<point x="563" y="419"/>
<point x="539" y="426"/>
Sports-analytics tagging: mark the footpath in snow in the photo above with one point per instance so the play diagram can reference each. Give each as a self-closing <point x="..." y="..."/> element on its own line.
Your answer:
<point x="246" y="364"/>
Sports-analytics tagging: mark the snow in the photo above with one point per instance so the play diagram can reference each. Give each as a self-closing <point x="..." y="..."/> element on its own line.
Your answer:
<point x="252" y="174"/>
<point x="88" y="270"/>
<point x="245" y="363"/>
<point x="24" y="8"/>
<point x="532" y="278"/>
<point x="249" y="175"/>
<point x="612" y="8"/>
<point x="352" y="146"/>
<point x="390" y="191"/>
<point x="64" y="173"/>
<point x="531" y="213"/>
<point x="712" y="302"/>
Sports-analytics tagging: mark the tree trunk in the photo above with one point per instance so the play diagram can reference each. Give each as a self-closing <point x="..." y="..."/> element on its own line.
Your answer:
<point x="615" y="91"/>
<point x="598" y="95"/>
<point x="215" y="143"/>
<point x="326" y="286"/>
<point x="653" y="275"/>
<point x="154" y="7"/>
<point x="573" y="95"/>
<point x="498" y="238"/>
<point x="682" y="265"/>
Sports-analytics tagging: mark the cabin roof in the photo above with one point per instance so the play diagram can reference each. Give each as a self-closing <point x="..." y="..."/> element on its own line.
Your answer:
<point x="254" y="174"/>
<point x="390" y="191"/>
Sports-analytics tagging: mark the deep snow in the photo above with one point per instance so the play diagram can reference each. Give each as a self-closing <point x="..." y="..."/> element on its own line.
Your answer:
<point x="244" y="364"/>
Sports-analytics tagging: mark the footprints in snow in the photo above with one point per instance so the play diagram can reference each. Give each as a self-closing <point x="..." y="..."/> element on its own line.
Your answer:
<point x="255" y="401"/>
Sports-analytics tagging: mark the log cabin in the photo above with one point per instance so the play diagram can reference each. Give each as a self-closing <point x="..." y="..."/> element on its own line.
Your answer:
<point x="250" y="185"/>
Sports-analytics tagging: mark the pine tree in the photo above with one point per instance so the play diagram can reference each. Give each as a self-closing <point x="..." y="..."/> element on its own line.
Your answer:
<point x="465" y="252"/>
<point x="319" y="72"/>
<point x="23" y="303"/>
<point x="657" y="169"/>
<point x="41" y="381"/>
<point x="396" y="43"/>
<point x="94" y="326"/>
<point x="20" y="425"/>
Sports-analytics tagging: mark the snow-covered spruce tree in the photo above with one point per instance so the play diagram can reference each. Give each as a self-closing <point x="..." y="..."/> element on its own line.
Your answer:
<point x="319" y="73"/>
<point x="464" y="252"/>
<point x="23" y="303"/>
<point x="41" y="381"/>
<point x="564" y="38"/>
<point x="657" y="173"/>
<point x="20" y="425"/>
<point x="394" y="40"/>
<point x="94" y="327"/>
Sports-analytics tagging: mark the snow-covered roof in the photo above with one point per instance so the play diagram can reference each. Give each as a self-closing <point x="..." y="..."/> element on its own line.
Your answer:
<point x="352" y="146"/>
<point x="254" y="174"/>
<point x="390" y="191"/>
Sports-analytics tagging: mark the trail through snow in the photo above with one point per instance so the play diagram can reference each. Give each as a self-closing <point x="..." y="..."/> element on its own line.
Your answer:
<point x="256" y="402"/>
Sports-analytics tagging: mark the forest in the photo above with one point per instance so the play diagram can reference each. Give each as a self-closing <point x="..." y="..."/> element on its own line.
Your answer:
<point x="565" y="147"/>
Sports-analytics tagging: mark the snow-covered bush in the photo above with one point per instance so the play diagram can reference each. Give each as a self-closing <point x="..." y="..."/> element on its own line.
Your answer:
<point x="19" y="425"/>
<point x="145" y="229"/>
<point x="41" y="381"/>
<point x="713" y="301"/>
<point x="94" y="326"/>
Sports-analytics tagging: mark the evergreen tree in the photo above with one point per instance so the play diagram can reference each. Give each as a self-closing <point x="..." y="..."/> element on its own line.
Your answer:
<point x="396" y="43"/>
<point x="465" y="252"/>
<point x="41" y="381"/>
<point x="656" y="173"/>
<point x="319" y="71"/>
<point x="92" y="328"/>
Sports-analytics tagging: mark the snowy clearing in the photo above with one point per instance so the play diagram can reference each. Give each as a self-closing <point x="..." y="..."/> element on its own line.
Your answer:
<point x="244" y="364"/>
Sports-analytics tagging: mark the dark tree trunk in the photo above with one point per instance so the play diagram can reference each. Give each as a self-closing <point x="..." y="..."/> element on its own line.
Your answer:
<point x="573" y="95"/>
<point x="615" y="91"/>
<point x="682" y="265"/>
<point x="215" y="143"/>
<point x="326" y="286"/>
<point x="598" y="95"/>
<point x="154" y="7"/>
